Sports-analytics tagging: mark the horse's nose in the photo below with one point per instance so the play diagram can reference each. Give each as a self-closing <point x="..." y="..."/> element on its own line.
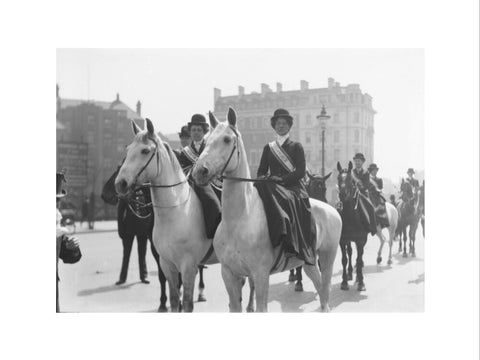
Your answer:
<point x="203" y="171"/>
<point x="121" y="186"/>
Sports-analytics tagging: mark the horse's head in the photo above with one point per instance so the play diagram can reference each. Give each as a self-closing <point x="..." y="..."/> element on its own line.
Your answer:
<point x="222" y="153"/>
<point x="141" y="163"/>
<point x="346" y="186"/>
<point x="317" y="187"/>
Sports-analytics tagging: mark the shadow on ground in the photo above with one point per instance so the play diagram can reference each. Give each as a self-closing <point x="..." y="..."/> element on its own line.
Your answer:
<point x="104" y="289"/>
<point x="418" y="280"/>
<point x="338" y="296"/>
<point x="289" y="299"/>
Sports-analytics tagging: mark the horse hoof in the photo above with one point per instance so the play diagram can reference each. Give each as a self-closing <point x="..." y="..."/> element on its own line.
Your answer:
<point x="413" y="254"/>
<point x="162" y="309"/>
<point x="298" y="287"/>
<point x="344" y="286"/>
<point x="325" y="308"/>
<point x="292" y="278"/>
<point x="201" y="298"/>
<point x="379" y="260"/>
<point x="361" y="287"/>
<point x="349" y="276"/>
<point x="250" y="309"/>
<point x="389" y="262"/>
<point x="405" y="255"/>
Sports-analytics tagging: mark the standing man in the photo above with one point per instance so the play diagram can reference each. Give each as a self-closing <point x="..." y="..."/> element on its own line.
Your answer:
<point x="376" y="197"/>
<point x="210" y="201"/>
<point x="362" y="181"/>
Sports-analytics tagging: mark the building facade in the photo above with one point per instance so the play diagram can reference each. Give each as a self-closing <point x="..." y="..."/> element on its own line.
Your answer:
<point x="91" y="141"/>
<point x="349" y="130"/>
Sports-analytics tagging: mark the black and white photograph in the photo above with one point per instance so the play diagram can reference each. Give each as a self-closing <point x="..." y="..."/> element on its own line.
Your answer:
<point x="241" y="180"/>
<point x="296" y="196"/>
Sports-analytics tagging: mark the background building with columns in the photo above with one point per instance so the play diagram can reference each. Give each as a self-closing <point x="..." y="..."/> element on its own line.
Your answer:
<point x="349" y="130"/>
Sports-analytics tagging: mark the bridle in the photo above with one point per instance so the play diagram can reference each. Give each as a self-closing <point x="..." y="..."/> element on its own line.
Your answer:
<point x="235" y="147"/>
<point x="136" y="188"/>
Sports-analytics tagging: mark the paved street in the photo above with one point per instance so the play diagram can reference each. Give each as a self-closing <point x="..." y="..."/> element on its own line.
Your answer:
<point x="89" y="285"/>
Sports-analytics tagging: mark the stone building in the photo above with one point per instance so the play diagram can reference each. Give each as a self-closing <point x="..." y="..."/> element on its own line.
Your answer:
<point x="349" y="130"/>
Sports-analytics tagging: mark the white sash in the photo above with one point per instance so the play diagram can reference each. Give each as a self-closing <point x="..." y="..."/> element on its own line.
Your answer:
<point x="190" y="154"/>
<point x="282" y="156"/>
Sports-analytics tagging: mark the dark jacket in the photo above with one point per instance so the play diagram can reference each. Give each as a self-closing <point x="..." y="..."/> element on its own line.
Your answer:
<point x="185" y="162"/>
<point x="269" y="162"/>
<point x="128" y="223"/>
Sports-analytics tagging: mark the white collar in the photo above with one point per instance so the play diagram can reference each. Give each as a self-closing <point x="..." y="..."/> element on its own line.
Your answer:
<point x="198" y="144"/>
<point x="281" y="139"/>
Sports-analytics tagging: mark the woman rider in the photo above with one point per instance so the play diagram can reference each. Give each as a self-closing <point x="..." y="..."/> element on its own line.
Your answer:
<point x="285" y="199"/>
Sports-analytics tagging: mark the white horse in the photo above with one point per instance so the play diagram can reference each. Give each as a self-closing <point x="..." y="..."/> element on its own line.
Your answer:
<point x="179" y="229"/>
<point x="392" y="215"/>
<point x="242" y="241"/>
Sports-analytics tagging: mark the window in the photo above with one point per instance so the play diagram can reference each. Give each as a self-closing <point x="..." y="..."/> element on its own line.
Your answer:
<point x="357" y="136"/>
<point x="356" y="117"/>
<point x="336" y="136"/>
<point x="308" y="139"/>
<point x="308" y="120"/>
<point x="308" y="154"/>
<point x="336" y="155"/>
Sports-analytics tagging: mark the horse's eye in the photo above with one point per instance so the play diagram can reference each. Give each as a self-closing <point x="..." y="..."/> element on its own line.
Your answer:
<point x="145" y="151"/>
<point x="227" y="140"/>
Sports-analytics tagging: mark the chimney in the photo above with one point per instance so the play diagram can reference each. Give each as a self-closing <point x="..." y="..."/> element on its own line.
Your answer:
<point x="241" y="91"/>
<point x="217" y="93"/>
<point x="118" y="97"/>
<point x="265" y="88"/>
<point x="331" y="81"/>
<point x="139" y="108"/>
<point x="58" y="91"/>
<point x="303" y="85"/>
<point x="279" y="87"/>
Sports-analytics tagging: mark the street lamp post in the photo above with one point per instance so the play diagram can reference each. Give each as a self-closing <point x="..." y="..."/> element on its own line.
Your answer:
<point x="322" y="118"/>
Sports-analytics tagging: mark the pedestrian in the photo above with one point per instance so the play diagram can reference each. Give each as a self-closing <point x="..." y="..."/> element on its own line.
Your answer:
<point x="68" y="248"/>
<point x="85" y="210"/>
<point x="91" y="211"/>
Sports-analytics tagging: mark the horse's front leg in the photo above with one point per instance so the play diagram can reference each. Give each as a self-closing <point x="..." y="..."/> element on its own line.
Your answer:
<point x="350" y="267"/>
<point x="360" y="247"/>
<point x="343" y="248"/>
<point x="382" y="242"/>
<point x="405" y="242"/>
<point x="251" y="297"/>
<point x="172" y="276"/>
<point x="313" y="273"/>
<point x="162" y="279"/>
<point x="299" y="285"/>
<point x="234" y="285"/>
<point x="201" y="285"/>
<point x="189" y="273"/>
<point x="261" y="281"/>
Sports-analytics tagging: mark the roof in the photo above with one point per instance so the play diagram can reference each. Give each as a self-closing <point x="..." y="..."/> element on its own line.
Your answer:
<point x="115" y="105"/>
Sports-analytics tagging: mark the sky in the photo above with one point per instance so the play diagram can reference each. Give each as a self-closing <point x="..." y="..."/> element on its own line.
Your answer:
<point x="173" y="84"/>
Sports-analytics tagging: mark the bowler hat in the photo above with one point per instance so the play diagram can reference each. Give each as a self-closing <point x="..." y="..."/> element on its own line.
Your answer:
<point x="410" y="170"/>
<point x="359" y="156"/>
<point x="198" y="119"/>
<point x="372" y="166"/>
<point x="281" y="113"/>
<point x="60" y="179"/>
<point x="184" y="132"/>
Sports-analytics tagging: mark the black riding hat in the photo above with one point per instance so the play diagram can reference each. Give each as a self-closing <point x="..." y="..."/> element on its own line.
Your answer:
<point x="410" y="170"/>
<point x="198" y="119"/>
<point x="184" y="132"/>
<point x="60" y="179"/>
<point x="372" y="166"/>
<point x="281" y="113"/>
<point x="359" y="156"/>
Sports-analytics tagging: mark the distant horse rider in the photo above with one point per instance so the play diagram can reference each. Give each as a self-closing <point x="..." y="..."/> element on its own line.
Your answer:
<point x="412" y="181"/>
<point x="285" y="198"/>
<point x="187" y="158"/>
<point x="362" y="183"/>
<point x="375" y="193"/>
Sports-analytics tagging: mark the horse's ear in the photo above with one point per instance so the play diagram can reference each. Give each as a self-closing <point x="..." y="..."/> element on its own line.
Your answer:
<point x="135" y="128"/>
<point x="339" y="167"/>
<point x="327" y="176"/>
<point x="150" y="128"/>
<point x="232" y="117"/>
<point x="350" y="166"/>
<point x="213" y="119"/>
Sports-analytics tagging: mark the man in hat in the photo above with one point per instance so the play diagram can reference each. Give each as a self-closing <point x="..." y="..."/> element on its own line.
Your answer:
<point x="184" y="135"/>
<point x="64" y="242"/>
<point x="362" y="181"/>
<point x="285" y="198"/>
<point x="411" y="179"/>
<point x="375" y="193"/>
<point x="187" y="158"/>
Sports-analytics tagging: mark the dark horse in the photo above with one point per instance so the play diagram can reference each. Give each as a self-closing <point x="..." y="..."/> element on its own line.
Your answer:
<point x="353" y="228"/>
<point x="141" y="223"/>
<point x="410" y="212"/>
<point x="421" y="206"/>
<point x="316" y="189"/>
